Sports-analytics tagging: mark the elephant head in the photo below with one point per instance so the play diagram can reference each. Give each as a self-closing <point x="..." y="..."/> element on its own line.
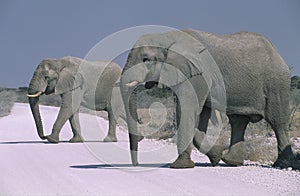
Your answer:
<point x="179" y="61"/>
<point x="52" y="76"/>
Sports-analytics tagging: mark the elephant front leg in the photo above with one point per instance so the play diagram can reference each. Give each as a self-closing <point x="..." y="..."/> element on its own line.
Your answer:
<point x="184" y="159"/>
<point x="237" y="152"/>
<point x="111" y="135"/>
<point x="185" y="134"/>
<point x="75" y="125"/>
<point x="68" y="107"/>
<point x="63" y="115"/>
<point x="189" y="106"/>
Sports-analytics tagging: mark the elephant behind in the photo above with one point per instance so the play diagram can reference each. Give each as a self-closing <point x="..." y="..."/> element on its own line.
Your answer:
<point x="202" y="66"/>
<point x="78" y="82"/>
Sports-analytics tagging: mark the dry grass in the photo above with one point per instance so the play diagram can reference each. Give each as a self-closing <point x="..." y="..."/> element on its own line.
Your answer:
<point x="295" y="125"/>
<point x="156" y="110"/>
<point x="157" y="122"/>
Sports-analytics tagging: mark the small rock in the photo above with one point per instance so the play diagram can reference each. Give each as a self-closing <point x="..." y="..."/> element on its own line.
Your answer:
<point x="289" y="169"/>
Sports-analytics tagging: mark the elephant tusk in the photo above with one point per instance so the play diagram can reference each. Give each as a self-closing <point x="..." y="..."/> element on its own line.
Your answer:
<point x="35" y="95"/>
<point x="132" y="84"/>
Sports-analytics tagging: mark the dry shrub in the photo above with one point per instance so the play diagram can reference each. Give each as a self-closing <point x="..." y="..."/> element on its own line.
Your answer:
<point x="7" y="100"/>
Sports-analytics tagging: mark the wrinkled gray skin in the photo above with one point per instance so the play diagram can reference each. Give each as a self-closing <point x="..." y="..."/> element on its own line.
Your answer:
<point x="78" y="82"/>
<point x="257" y="83"/>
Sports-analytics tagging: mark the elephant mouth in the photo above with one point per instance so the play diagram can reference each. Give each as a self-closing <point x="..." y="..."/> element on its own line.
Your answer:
<point x="150" y="84"/>
<point x="35" y="95"/>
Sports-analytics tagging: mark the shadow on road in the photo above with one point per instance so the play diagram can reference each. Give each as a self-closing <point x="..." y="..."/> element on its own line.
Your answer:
<point x="24" y="142"/>
<point x="147" y="165"/>
<point x="46" y="142"/>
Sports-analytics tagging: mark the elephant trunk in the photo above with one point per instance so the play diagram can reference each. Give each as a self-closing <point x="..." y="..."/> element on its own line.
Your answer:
<point x="34" y="105"/>
<point x="133" y="139"/>
<point x="36" y="88"/>
<point x="132" y="119"/>
<point x="130" y="101"/>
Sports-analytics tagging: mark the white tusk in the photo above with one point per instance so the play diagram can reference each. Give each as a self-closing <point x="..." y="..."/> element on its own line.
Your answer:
<point x="35" y="95"/>
<point x="132" y="84"/>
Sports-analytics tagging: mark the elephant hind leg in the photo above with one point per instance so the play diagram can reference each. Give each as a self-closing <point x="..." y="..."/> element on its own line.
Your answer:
<point x="277" y="115"/>
<point x="285" y="158"/>
<point x="74" y="122"/>
<point x="111" y="135"/>
<point x="237" y="152"/>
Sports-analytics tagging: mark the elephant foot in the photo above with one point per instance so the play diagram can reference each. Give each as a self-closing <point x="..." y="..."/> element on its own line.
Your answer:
<point x="236" y="155"/>
<point x="110" y="139"/>
<point x="183" y="162"/>
<point x="43" y="137"/>
<point x="286" y="159"/>
<point x="215" y="152"/>
<point x="76" y="139"/>
<point x="52" y="139"/>
<point x="215" y="155"/>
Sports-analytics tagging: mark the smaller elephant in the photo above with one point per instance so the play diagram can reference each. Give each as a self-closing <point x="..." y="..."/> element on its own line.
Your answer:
<point x="78" y="82"/>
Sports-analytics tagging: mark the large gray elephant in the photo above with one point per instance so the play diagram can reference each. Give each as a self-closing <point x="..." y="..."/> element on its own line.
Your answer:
<point x="78" y="82"/>
<point x="241" y="74"/>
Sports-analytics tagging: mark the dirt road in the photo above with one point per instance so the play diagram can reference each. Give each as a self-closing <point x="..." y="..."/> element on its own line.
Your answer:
<point x="30" y="166"/>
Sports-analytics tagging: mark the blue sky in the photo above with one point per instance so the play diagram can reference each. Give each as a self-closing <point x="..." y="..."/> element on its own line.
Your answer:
<point x="36" y="29"/>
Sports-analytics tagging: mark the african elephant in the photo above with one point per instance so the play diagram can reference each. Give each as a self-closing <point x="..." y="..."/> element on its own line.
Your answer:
<point x="78" y="82"/>
<point x="241" y="75"/>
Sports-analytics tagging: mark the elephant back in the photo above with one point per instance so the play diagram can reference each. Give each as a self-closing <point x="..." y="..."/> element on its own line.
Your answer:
<point x="250" y="65"/>
<point x="99" y="78"/>
<point x="110" y="75"/>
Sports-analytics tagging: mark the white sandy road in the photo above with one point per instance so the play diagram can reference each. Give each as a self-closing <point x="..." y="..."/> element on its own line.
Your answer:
<point x="29" y="166"/>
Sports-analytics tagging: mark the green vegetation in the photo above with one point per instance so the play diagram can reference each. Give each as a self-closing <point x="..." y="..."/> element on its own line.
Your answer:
<point x="294" y="125"/>
<point x="295" y="82"/>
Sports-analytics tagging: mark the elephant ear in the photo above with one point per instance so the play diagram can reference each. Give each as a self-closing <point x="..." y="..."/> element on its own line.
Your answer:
<point x="182" y="52"/>
<point x="182" y="62"/>
<point x="69" y="79"/>
<point x="186" y="60"/>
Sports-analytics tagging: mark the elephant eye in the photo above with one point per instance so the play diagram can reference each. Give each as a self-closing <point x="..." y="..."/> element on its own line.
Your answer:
<point x="46" y="77"/>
